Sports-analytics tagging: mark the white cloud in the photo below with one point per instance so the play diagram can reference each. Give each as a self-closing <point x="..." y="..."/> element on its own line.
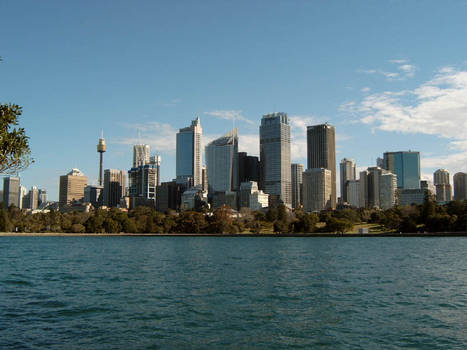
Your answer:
<point x="437" y="107"/>
<point x="230" y="115"/>
<point x="405" y="70"/>
<point x="160" y="136"/>
<point x="365" y="89"/>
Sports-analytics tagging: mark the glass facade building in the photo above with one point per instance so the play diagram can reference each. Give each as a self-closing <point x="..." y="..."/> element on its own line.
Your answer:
<point x="274" y="144"/>
<point x="406" y="165"/>
<point x="189" y="157"/>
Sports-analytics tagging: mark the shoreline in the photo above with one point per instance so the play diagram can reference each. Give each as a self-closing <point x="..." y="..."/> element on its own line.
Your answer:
<point x="340" y="235"/>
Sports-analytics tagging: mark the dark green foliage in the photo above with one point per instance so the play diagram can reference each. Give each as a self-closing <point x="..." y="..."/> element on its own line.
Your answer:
<point x="338" y="225"/>
<point x="5" y="223"/>
<point x="304" y="223"/>
<point x="15" y="154"/>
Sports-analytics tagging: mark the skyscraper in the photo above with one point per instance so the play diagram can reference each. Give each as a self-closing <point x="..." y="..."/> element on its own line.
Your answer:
<point x="11" y="191"/>
<point x="189" y="154"/>
<point x="141" y="155"/>
<point x="274" y="144"/>
<point x="297" y="182"/>
<point x="321" y="149"/>
<point x="114" y="186"/>
<point x="72" y="187"/>
<point x="442" y="184"/>
<point x="347" y="172"/>
<point x="222" y="163"/>
<point x="406" y="165"/>
<point x="143" y="182"/>
<point x="248" y="168"/>
<point x="460" y="186"/>
<point x="317" y="189"/>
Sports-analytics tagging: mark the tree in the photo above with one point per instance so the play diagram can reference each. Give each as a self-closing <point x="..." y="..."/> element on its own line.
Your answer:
<point x="15" y="154"/>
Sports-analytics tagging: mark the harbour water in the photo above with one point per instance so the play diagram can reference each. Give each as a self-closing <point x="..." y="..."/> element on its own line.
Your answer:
<point x="233" y="293"/>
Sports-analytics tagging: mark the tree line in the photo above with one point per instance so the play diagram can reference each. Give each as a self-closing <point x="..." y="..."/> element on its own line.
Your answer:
<point x="428" y="217"/>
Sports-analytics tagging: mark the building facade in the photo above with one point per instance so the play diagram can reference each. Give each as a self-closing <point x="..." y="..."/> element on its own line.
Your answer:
<point x="460" y="186"/>
<point x="143" y="182"/>
<point x="443" y="185"/>
<point x="347" y="173"/>
<point x="11" y="191"/>
<point x="189" y="154"/>
<point x="222" y="163"/>
<point x="317" y="189"/>
<point x="353" y="193"/>
<point x="248" y="168"/>
<point x="406" y="165"/>
<point x="321" y="152"/>
<point x="274" y="144"/>
<point x="141" y="155"/>
<point x="114" y="187"/>
<point x="297" y="184"/>
<point x="72" y="187"/>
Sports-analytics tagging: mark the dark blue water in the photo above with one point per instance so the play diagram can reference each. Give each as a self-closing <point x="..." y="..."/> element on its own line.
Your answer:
<point x="232" y="293"/>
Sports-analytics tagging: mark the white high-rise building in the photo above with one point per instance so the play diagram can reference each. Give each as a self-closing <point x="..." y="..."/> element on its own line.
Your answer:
<point x="460" y="186"/>
<point x="387" y="190"/>
<point x="141" y="155"/>
<point x="11" y="191"/>
<point x="189" y="154"/>
<point x="274" y="144"/>
<point x="443" y="186"/>
<point x="317" y="189"/>
<point x="222" y="163"/>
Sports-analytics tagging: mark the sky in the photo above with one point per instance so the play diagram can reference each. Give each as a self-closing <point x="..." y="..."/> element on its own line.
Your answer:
<point x="389" y="75"/>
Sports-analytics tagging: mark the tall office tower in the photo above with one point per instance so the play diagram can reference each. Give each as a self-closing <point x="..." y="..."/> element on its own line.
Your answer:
<point x="23" y="197"/>
<point x="406" y="165"/>
<point x="321" y="149"/>
<point x="347" y="168"/>
<point x="364" y="189"/>
<point x="297" y="183"/>
<point x="387" y="190"/>
<point x="114" y="186"/>
<point x="248" y="168"/>
<point x="353" y="193"/>
<point x="374" y="174"/>
<point x="222" y="163"/>
<point x="442" y="184"/>
<point x="11" y="191"/>
<point x="460" y="186"/>
<point x="204" y="177"/>
<point x="274" y="144"/>
<point x="317" y="189"/>
<point x="143" y="182"/>
<point x="141" y="155"/>
<point x="101" y="148"/>
<point x="42" y="196"/>
<point x="33" y="197"/>
<point x="72" y="187"/>
<point x="189" y="154"/>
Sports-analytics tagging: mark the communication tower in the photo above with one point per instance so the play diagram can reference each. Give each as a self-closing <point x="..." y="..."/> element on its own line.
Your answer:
<point x="101" y="148"/>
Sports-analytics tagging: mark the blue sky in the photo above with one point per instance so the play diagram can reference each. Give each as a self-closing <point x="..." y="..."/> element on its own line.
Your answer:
<point x="390" y="75"/>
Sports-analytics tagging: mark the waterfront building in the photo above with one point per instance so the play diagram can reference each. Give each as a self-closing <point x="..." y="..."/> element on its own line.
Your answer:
<point x="42" y="196"/>
<point x="460" y="186"/>
<point x="297" y="184"/>
<point x="274" y="143"/>
<point x="143" y="181"/>
<point x="406" y="165"/>
<point x="317" y="189"/>
<point x="387" y="190"/>
<point x="222" y="163"/>
<point x="258" y="200"/>
<point x="363" y="189"/>
<point x="169" y="196"/>
<point x="23" y="200"/>
<point x="114" y="187"/>
<point x="204" y="178"/>
<point x="141" y="155"/>
<point x="443" y="186"/>
<point x="11" y="191"/>
<point x="189" y="154"/>
<point x="248" y="168"/>
<point x="353" y="193"/>
<point x="412" y="196"/>
<point x="71" y="187"/>
<point x="33" y="198"/>
<point x="347" y="173"/>
<point x="321" y="152"/>
<point x="92" y="194"/>
<point x="191" y="197"/>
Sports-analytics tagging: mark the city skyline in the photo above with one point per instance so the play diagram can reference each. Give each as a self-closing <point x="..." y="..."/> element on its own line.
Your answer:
<point x="140" y="72"/>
